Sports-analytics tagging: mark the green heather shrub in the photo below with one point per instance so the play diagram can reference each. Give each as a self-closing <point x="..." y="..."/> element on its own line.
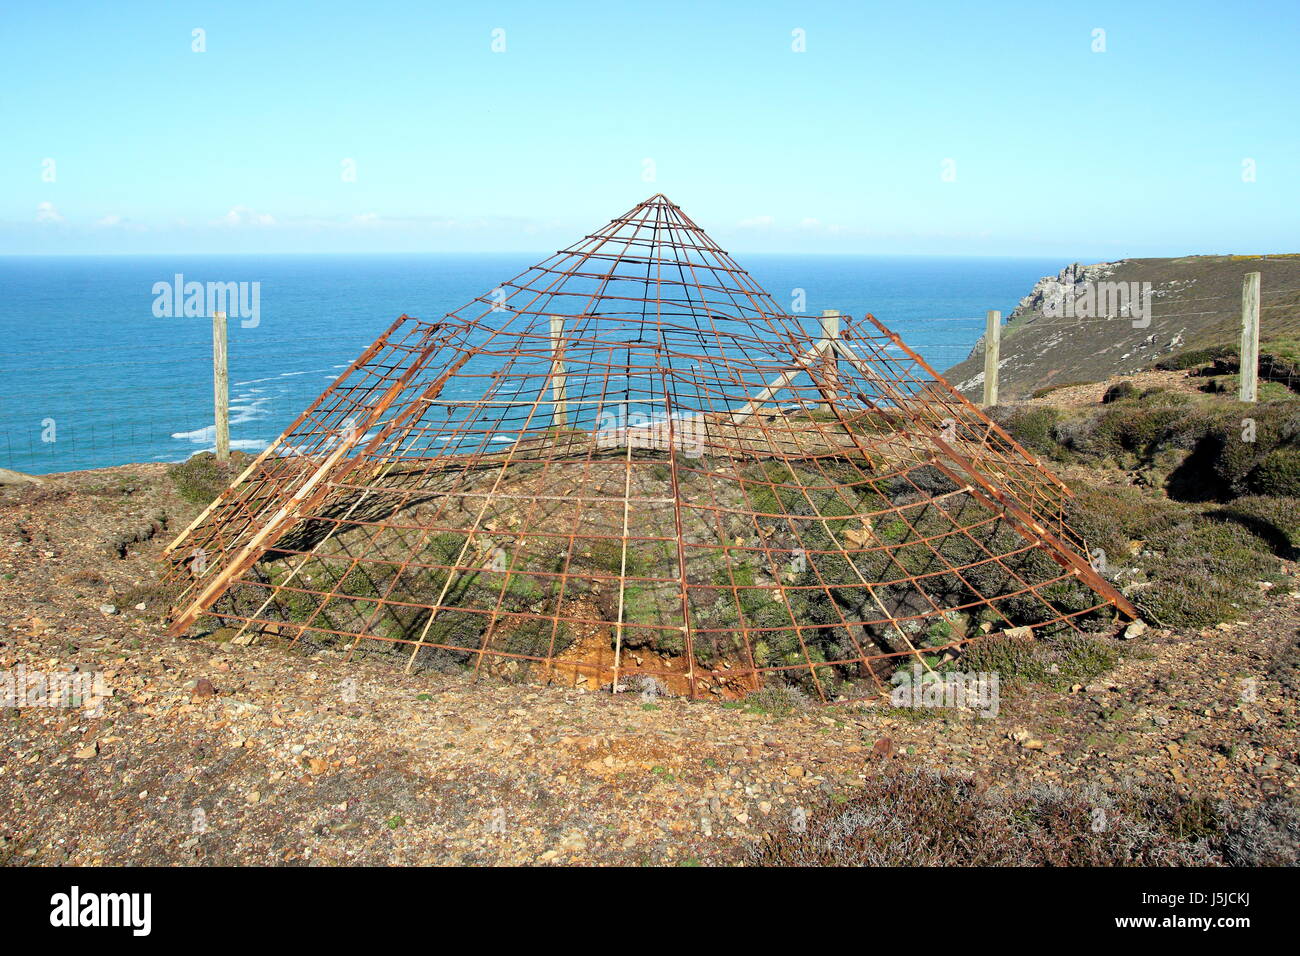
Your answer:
<point x="1206" y="571"/>
<point x="1275" y="520"/>
<point x="1110" y="517"/>
<point x="458" y="629"/>
<point x="1011" y="658"/>
<point x="1274" y="426"/>
<point x="1278" y="473"/>
<point x="777" y="700"/>
<point x="1195" y="358"/>
<point x="1032" y="427"/>
<point x="1132" y="428"/>
<point x="1059" y="660"/>
<point x="1118" y="391"/>
<point x="1072" y="434"/>
<point x="1194" y="568"/>
<point x="201" y="478"/>
<point x="1207" y="450"/>
<point x="1072" y="658"/>
<point x="1163" y="396"/>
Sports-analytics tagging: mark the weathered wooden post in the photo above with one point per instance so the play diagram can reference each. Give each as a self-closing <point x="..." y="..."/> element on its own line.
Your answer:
<point x="558" y="391"/>
<point x="221" y="385"/>
<point x="992" y="346"/>
<point x="830" y="331"/>
<point x="1249" y="388"/>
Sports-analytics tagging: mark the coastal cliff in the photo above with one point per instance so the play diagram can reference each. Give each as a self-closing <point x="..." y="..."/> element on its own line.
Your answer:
<point x="1091" y="322"/>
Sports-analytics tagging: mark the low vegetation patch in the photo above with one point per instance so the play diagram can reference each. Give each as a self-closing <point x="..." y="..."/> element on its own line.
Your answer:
<point x="1185" y="566"/>
<point x="922" y="818"/>
<point x="1199" y="448"/>
<point x="1279" y="361"/>
<point x="1118" y="391"/>
<point x="1059" y="661"/>
<point x="201" y="478"/>
<point x="1215" y="499"/>
<point x="774" y="701"/>
<point x="1196" y="358"/>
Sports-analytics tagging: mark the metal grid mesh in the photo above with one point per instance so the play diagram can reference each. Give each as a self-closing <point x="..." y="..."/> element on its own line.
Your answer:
<point x="627" y="466"/>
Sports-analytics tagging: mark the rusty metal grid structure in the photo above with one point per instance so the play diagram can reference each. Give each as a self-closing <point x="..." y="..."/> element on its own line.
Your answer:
<point x="628" y="467"/>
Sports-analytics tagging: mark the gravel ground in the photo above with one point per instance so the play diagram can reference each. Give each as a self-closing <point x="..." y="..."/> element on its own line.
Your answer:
<point x="194" y="752"/>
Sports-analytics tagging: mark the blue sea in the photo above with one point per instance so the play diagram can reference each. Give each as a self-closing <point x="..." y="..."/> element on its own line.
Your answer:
<point x="91" y="377"/>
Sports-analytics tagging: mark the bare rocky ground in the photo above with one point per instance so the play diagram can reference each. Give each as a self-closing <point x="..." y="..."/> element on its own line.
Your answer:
<point x="207" y="753"/>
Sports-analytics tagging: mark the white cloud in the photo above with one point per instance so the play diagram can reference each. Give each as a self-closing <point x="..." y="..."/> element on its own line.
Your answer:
<point x="109" y="220"/>
<point x="45" y="212"/>
<point x="243" y="216"/>
<point x="756" y="222"/>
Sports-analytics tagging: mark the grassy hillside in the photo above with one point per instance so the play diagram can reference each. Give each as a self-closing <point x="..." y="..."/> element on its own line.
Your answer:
<point x="1190" y="495"/>
<point x="1196" y="306"/>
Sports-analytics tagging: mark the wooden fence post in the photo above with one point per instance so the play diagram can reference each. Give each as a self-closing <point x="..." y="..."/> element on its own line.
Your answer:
<point x="1249" y="377"/>
<point x="558" y="390"/>
<point x="830" y="329"/>
<point x="221" y="385"/>
<point x="992" y="347"/>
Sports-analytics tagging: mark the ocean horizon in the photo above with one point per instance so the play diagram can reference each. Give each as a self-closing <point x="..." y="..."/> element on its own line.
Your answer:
<point x="91" y="375"/>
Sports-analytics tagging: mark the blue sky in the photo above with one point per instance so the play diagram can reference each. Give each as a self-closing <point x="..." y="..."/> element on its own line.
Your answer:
<point x="1056" y="149"/>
